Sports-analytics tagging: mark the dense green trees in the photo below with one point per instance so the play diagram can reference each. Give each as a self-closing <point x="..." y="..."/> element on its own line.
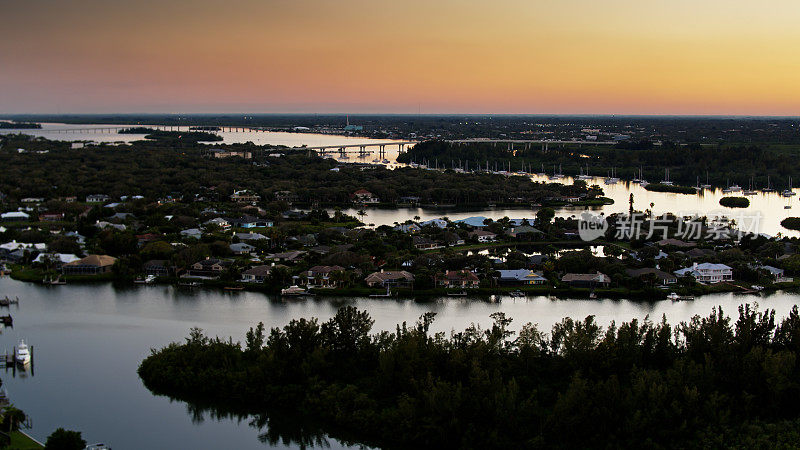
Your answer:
<point x="709" y="381"/>
<point x="734" y="202"/>
<point x="182" y="170"/>
<point x="688" y="164"/>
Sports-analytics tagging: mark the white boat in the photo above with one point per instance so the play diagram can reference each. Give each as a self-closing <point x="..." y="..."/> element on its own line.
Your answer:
<point x="294" y="291"/>
<point x="385" y="161"/>
<point x="376" y="160"/>
<point x="150" y="279"/>
<point x="735" y="188"/>
<point x="22" y="355"/>
<point x="666" y="181"/>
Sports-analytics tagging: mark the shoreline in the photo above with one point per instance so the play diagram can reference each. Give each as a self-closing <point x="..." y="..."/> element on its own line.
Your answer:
<point x="474" y="294"/>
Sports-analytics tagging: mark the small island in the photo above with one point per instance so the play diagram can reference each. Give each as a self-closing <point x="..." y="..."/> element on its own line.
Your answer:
<point x="734" y="202"/>
<point x="5" y="125"/>
<point x="495" y="388"/>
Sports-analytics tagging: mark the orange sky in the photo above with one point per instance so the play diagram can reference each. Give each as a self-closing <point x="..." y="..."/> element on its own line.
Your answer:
<point x="465" y="56"/>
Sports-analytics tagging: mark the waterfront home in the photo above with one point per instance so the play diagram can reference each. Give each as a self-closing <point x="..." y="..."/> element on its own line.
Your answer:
<point x="586" y="280"/>
<point x="322" y="276"/>
<point x="15" y="216"/>
<point x="241" y="248"/>
<point x="194" y="233"/>
<point x="14" y="245"/>
<point x="158" y="267"/>
<point x="521" y="230"/>
<point x="659" y="276"/>
<point x="390" y="278"/>
<point x="90" y="265"/>
<point x="453" y="239"/>
<point x="97" y="198"/>
<point x="55" y="259"/>
<point x="257" y="274"/>
<point x="483" y="236"/>
<point x="209" y="267"/>
<point x="438" y="223"/>
<point x="707" y="272"/>
<point x="458" y="279"/>
<point x="778" y="275"/>
<point x="364" y="196"/>
<point x="519" y="277"/>
<point x="473" y="222"/>
<point x="410" y="228"/>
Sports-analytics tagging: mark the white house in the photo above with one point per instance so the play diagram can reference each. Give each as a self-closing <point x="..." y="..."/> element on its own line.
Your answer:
<point x="14" y="215"/>
<point x="707" y="272"/>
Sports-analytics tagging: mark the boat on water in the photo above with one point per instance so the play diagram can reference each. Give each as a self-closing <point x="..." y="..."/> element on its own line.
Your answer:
<point x="6" y="301"/>
<point x="189" y="284"/>
<point x="612" y="178"/>
<point x="787" y="207"/>
<point x="679" y="298"/>
<point x="516" y="293"/>
<point x="22" y="354"/>
<point x="233" y="288"/>
<point x="557" y="176"/>
<point x="294" y="291"/>
<point x="666" y="180"/>
<point x="386" y="161"/>
<point x="457" y="294"/>
<point x="735" y="188"/>
<point x="376" y="160"/>
<point x="54" y="282"/>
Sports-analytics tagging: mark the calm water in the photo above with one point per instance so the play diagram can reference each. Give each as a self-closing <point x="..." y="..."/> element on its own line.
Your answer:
<point x="54" y="131"/>
<point x="88" y="341"/>
<point x="766" y="209"/>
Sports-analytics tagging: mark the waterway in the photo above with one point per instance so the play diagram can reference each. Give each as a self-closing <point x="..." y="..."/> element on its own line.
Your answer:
<point x="89" y="339"/>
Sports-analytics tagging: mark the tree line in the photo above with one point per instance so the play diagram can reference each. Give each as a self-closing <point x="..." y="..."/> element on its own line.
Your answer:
<point x="707" y="382"/>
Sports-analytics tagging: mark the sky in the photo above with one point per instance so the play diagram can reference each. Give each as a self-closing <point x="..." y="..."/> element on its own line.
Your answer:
<point x="405" y="56"/>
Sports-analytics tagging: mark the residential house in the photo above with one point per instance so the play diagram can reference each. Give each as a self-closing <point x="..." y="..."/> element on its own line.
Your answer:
<point x="423" y="243"/>
<point x="90" y="265"/>
<point x="209" y="268"/>
<point x="15" y="216"/>
<point x="250" y="236"/>
<point x="321" y="276"/>
<point x="244" y="196"/>
<point x="192" y="233"/>
<point x="364" y="196"/>
<point x="522" y="230"/>
<point x="390" y="278"/>
<point x="257" y="274"/>
<point x="458" y="279"/>
<point x="51" y="217"/>
<point x="519" y="277"/>
<point x="241" y="248"/>
<point x="97" y="198"/>
<point x="438" y="223"/>
<point x="251" y="222"/>
<point x="55" y="259"/>
<point x="410" y="228"/>
<point x="158" y="267"/>
<point x="483" y="235"/>
<point x="778" y="275"/>
<point x="287" y="257"/>
<point x="586" y="280"/>
<point x="220" y="222"/>
<point x="660" y="277"/>
<point x="707" y="272"/>
<point x="473" y="222"/>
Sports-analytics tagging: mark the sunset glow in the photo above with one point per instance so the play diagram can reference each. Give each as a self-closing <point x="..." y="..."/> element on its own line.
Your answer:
<point x="505" y="56"/>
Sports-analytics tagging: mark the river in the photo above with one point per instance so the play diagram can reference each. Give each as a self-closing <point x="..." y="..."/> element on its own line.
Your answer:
<point x="89" y="339"/>
<point x="768" y="209"/>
